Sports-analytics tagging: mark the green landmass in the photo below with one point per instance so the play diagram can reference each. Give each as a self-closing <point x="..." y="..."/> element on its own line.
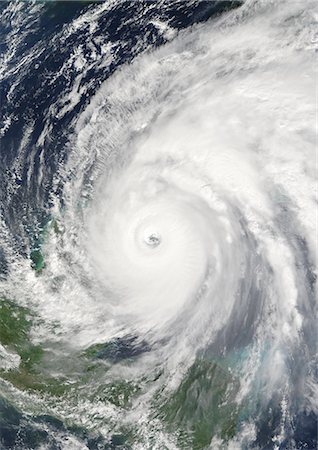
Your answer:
<point x="203" y="406"/>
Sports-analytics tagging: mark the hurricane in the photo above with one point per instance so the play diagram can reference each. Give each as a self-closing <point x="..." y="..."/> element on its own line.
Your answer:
<point x="158" y="225"/>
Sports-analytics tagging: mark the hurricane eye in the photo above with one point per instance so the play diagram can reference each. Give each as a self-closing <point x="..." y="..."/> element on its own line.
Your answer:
<point x="153" y="240"/>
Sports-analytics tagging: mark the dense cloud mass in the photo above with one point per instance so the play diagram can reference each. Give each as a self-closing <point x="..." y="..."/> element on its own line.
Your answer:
<point x="159" y="230"/>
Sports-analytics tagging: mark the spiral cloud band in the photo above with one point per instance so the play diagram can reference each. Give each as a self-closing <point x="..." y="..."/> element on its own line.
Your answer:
<point x="187" y="230"/>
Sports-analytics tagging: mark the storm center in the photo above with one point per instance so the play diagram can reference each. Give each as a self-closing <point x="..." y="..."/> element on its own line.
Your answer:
<point x="153" y="239"/>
